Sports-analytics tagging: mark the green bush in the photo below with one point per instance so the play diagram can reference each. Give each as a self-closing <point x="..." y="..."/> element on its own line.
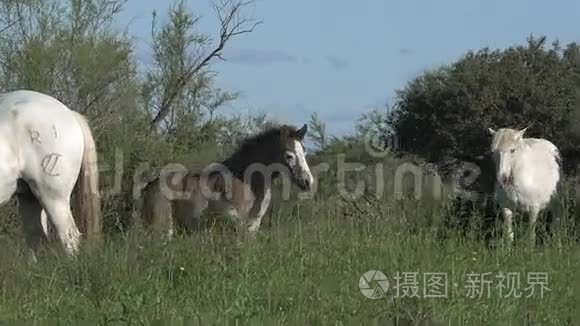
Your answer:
<point x="444" y="114"/>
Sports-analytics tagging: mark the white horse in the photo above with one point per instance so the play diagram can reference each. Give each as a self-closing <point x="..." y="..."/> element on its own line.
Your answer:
<point x="46" y="150"/>
<point x="527" y="176"/>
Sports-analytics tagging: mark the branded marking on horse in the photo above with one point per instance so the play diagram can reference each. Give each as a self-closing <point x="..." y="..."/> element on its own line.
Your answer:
<point x="49" y="163"/>
<point x="35" y="136"/>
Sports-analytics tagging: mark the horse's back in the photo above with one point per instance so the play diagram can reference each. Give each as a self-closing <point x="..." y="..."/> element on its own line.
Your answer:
<point x="546" y="156"/>
<point x="44" y="136"/>
<point x="30" y="106"/>
<point x="540" y="144"/>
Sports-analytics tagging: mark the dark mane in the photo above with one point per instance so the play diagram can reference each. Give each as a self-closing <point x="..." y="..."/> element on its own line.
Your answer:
<point x="260" y="148"/>
<point x="265" y="138"/>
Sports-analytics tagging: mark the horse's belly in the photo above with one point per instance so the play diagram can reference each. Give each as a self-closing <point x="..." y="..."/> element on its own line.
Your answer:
<point x="223" y="207"/>
<point x="526" y="199"/>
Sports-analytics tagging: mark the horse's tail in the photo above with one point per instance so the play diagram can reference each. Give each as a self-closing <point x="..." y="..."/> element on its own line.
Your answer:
<point x="87" y="199"/>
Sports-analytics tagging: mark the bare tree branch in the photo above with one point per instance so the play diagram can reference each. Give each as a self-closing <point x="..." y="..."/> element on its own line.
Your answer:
<point x="8" y="26"/>
<point x="231" y="25"/>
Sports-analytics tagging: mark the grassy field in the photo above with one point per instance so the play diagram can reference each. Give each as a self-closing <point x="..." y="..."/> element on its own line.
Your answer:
<point x="303" y="268"/>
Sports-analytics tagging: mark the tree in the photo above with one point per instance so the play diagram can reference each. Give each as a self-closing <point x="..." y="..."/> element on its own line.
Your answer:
<point x="317" y="132"/>
<point x="181" y="56"/>
<point x="444" y="114"/>
<point x="72" y="50"/>
<point x="69" y="50"/>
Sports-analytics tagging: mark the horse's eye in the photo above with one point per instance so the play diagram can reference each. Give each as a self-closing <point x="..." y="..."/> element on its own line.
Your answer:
<point x="288" y="156"/>
<point x="513" y="150"/>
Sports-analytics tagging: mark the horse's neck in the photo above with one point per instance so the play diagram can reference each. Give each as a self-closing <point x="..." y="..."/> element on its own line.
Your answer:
<point x="238" y="165"/>
<point x="535" y="153"/>
<point x="523" y="157"/>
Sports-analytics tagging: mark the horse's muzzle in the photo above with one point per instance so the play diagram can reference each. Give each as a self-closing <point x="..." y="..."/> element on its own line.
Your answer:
<point x="504" y="180"/>
<point x="304" y="184"/>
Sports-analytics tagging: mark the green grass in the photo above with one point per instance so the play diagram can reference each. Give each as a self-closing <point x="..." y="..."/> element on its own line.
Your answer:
<point x="303" y="268"/>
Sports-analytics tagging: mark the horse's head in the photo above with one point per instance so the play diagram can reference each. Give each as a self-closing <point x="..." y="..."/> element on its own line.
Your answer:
<point x="293" y="155"/>
<point x="505" y="147"/>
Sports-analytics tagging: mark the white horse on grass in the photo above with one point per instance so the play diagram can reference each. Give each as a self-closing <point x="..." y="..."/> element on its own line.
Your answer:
<point x="46" y="150"/>
<point x="527" y="176"/>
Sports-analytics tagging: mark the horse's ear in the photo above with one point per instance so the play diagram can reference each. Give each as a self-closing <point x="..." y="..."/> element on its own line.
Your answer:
<point x="491" y="131"/>
<point x="520" y="133"/>
<point x="300" y="133"/>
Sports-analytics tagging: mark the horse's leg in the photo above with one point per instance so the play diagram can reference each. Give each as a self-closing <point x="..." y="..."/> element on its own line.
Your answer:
<point x="254" y="222"/>
<point x="56" y="203"/>
<point x="59" y="212"/>
<point x="188" y="213"/>
<point x="258" y="211"/>
<point x="193" y="220"/>
<point x="157" y="211"/>
<point x="8" y="170"/>
<point x="7" y="186"/>
<point x="508" y="220"/>
<point x="33" y="222"/>
<point x="44" y="222"/>
<point x="193" y="213"/>
<point x="532" y="227"/>
<point x="556" y="211"/>
<point x="555" y="225"/>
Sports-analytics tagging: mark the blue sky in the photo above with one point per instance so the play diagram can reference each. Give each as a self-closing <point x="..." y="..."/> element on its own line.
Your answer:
<point x="343" y="58"/>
